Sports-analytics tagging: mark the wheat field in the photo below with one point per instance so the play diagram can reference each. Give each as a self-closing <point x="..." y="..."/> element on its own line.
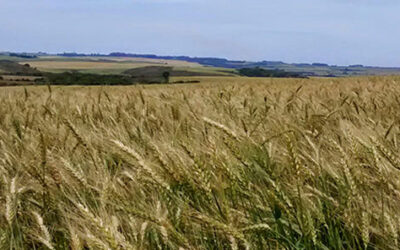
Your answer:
<point x="231" y="163"/>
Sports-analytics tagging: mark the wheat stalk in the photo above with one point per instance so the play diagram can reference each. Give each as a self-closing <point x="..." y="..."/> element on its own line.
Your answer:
<point x="141" y="163"/>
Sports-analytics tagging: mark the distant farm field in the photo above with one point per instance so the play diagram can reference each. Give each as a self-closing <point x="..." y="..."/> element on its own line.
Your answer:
<point x="230" y="163"/>
<point x="103" y="65"/>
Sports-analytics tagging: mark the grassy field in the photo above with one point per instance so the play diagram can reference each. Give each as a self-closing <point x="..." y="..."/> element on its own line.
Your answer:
<point x="85" y="67"/>
<point x="231" y="163"/>
<point x="108" y="65"/>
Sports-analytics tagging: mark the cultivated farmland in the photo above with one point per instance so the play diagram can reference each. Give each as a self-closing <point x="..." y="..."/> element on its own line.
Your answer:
<point x="106" y="65"/>
<point x="231" y="163"/>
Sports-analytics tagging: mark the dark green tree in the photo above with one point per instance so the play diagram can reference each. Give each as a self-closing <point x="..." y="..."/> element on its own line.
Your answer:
<point x="166" y="75"/>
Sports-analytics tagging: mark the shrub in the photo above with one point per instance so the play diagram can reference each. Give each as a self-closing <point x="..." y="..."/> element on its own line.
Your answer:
<point x="75" y="78"/>
<point x="260" y="72"/>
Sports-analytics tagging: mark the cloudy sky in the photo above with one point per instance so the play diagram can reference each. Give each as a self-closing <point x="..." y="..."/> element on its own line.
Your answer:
<point x="332" y="31"/>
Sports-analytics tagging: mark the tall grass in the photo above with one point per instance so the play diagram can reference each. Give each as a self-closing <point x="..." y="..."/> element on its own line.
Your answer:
<point x="237" y="164"/>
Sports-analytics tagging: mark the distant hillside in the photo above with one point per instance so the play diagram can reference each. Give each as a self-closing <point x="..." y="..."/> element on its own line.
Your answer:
<point x="305" y="69"/>
<point x="209" y="61"/>
<point x="14" y="68"/>
<point x="157" y="71"/>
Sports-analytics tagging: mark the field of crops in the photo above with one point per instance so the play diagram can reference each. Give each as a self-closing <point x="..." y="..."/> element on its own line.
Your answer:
<point x="102" y="65"/>
<point x="231" y="163"/>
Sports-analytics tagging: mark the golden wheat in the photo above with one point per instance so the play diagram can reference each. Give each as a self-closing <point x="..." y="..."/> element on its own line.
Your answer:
<point x="231" y="163"/>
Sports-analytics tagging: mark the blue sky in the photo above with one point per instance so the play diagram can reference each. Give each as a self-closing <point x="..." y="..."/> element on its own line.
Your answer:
<point x="332" y="31"/>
